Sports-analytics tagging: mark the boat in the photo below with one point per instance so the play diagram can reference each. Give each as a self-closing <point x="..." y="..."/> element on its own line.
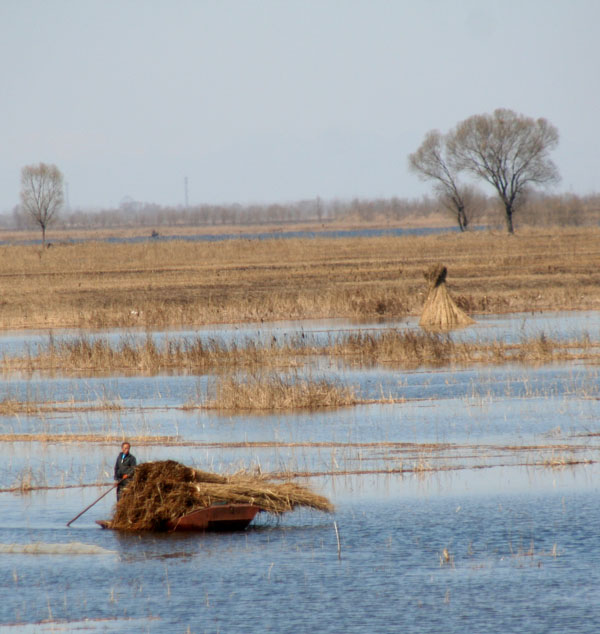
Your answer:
<point x="219" y="517"/>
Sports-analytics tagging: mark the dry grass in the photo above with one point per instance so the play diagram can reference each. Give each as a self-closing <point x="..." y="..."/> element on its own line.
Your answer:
<point x="402" y="348"/>
<point x="60" y="438"/>
<point x="13" y="407"/>
<point x="83" y="354"/>
<point x="440" y="312"/>
<point x="408" y="348"/>
<point x="18" y="486"/>
<point x="156" y="284"/>
<point x="562" y="461"/>
<point x="276" y="392"/>
<point x="414" y="349"/>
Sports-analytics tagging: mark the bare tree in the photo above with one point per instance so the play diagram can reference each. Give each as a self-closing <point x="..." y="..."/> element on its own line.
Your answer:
<point x="42" y="193"/>
<point x="431" y="162"/>
<point x="507" y="150"/>
<point x="468" y="203"/>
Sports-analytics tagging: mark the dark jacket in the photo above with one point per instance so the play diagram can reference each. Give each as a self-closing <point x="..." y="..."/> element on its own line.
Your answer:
<point x="124" y="466"/>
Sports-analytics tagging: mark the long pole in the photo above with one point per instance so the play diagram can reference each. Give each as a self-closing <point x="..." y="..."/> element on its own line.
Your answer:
<point x="339" y="543"/>
<point x="87" y="508"/>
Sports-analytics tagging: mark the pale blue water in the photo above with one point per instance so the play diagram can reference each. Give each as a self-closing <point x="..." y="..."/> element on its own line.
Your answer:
<point x="524" y="560"/>
<point x="265" y="235"/>
<point x="522" y="538"/>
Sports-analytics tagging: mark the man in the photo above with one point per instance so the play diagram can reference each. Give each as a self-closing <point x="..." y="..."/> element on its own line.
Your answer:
<point x="124" y="467"/>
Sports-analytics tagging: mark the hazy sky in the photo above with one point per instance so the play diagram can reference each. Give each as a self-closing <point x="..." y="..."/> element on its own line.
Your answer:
<point x="278" y="100"/>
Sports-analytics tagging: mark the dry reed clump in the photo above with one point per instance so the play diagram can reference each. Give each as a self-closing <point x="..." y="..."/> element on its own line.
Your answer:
<point x="163" y="491"/>
<point x="276" y="392"/>
<point x="414" y="349"/>
<point x="440" y="312"/>
<point x="407" y="347"/>
<point x="147" y="355"/>
<point x="11" y="407"/>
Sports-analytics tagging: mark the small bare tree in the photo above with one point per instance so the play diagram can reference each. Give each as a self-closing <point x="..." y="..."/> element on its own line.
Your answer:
<point x="507" y="150"/>
<point x="42" y="194"/>
<point x="431" y="162"/>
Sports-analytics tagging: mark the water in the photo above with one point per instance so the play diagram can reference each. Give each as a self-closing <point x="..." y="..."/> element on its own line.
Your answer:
<point x="507" y="328"/>
<point x="450" y="513"/>
<point x="265" y="235"/>
<point x="520" y="560"/>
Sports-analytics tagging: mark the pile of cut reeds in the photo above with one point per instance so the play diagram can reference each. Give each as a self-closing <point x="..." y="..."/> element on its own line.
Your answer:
<point x="440" y="312"/>
<point x="165" y="490"/>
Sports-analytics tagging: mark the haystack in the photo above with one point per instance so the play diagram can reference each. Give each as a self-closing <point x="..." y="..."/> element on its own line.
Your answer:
<point x="440" y="312"/>
<point x="163" y="491"/>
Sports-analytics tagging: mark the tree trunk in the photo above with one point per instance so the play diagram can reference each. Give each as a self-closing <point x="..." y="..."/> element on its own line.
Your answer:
<point x="43" y="236"/>
<point x="508" y="217"/>
<point x="463" y="220"/>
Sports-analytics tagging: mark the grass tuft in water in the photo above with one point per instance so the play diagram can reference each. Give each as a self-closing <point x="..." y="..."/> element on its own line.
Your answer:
<point x="276" y="392"/>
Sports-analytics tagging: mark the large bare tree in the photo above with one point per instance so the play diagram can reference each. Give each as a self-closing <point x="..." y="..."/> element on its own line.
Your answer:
<point x="42" y="194"/>
<point x="508" y="150"/>
<point x="431" y="162"/>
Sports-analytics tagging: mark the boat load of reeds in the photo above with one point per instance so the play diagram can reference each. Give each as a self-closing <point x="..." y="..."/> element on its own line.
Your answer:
<point x="440" y="312"/>
<point x="163" y="491"/>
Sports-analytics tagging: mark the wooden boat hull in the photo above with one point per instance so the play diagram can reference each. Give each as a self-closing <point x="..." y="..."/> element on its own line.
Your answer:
<point x="220" y="517"/>
<point x="223" y="517"/>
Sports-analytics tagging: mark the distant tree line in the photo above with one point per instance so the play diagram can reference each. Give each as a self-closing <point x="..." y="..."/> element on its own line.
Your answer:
<point x="505" y="151"/>
<point x="536" y="209"/>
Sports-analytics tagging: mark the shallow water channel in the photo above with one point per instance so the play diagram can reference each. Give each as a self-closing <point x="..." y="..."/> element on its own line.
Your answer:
<point x="469" y="504"/>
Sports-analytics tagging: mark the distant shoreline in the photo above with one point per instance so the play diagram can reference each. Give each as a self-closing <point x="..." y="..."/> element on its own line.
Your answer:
<point x="61" y="235"/>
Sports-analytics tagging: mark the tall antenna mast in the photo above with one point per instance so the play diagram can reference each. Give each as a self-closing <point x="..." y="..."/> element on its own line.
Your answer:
<point x="185" y="187"/>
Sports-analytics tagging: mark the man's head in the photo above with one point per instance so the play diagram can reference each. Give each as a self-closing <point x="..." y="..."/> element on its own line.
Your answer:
<point x="125" y="447"/>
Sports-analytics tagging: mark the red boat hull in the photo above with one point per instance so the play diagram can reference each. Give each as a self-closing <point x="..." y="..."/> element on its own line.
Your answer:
<point x="220" y="517"/>
<point x="223" y="517"/>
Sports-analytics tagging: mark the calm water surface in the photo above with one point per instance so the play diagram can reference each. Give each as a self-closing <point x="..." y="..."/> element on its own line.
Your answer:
<point x="519" y="558"/>
<point x="485" y="538"/>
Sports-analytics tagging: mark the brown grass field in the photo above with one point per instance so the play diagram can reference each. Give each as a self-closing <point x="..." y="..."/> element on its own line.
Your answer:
<point x="178" y="283"/>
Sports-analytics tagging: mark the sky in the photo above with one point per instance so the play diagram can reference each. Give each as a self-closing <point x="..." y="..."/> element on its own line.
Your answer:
<point x="257" y="101"/>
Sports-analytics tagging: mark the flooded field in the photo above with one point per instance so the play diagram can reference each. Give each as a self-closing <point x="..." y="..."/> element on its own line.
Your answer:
<point x="466" y="498"/>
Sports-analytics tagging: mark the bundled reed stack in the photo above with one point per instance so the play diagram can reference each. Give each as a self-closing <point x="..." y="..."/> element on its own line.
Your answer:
<point x="440" y="312"/>
<point x="164" y="491"/>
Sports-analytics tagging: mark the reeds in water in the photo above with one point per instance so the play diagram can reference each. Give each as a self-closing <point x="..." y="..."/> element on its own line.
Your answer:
<point x="98" y="355"/>
<point x="404" y="348"/>
<point x="276" y="392"/>
<point x="408" y="347"/>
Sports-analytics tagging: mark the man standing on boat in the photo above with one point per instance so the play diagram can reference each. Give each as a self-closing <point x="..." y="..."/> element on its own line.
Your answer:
<point x="124" y="467"/>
